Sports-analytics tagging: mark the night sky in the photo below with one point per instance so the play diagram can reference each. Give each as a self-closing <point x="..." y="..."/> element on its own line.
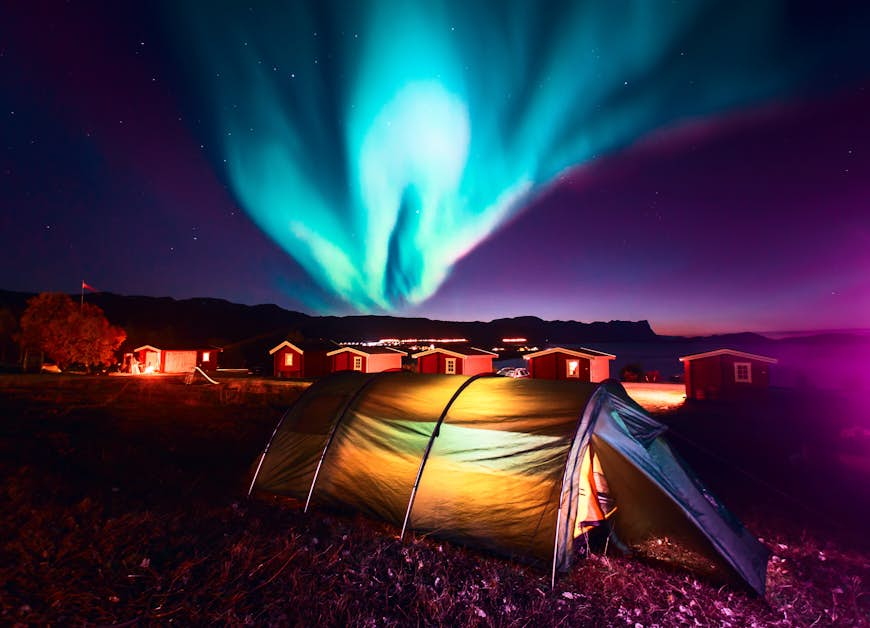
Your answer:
<point x="705" y="166"/>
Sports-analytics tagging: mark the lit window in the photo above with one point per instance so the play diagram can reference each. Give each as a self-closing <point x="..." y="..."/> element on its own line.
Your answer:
<point x="743" y="372"/>
<point x="288" y="359"/>
<point x="205" y="356"/>
<point x="357" y="363"/>
<point x="573" y="368"/>
<point x="450" y="366"/>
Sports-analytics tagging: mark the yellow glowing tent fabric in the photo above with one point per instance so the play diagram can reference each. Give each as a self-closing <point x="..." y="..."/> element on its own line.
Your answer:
<point x="503" y="464"/>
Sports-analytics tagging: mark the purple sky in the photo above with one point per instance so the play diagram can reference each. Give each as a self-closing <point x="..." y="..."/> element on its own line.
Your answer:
<point x="757" y="220"/>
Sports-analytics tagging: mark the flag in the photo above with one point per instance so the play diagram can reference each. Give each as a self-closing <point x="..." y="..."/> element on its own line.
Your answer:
<point x="87" y="287"/>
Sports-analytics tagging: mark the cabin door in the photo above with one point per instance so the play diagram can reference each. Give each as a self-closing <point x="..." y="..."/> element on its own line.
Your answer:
<point x="152" y="362"/>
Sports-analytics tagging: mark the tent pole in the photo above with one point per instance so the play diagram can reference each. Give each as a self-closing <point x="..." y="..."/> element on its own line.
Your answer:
<point x="266" y="450"/>
<point x="432" y="438"/>
<point x="334" y="429"/>
<point x="272" y="437"/>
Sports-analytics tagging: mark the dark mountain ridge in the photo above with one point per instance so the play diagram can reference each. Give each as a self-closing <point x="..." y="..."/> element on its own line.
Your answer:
<point x="248" y="329"/>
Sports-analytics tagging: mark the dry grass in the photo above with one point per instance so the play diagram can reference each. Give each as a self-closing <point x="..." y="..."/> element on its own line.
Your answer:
<point x="130" y="512"/>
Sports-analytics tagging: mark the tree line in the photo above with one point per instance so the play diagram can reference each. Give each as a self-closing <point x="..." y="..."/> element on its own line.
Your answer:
<point x="55" y="327"/>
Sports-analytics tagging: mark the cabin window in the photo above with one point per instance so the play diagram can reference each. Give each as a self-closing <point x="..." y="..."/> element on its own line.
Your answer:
<point x="450" y="366"/>
<point x="205" y="356"/>
<point x="573" y="368"/>
<point x="357" y="363"/>
<point x="743" y="372"/>
<point x="288" y="359"/>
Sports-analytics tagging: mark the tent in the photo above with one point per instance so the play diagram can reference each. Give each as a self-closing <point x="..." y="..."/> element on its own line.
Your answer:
<point x="520" y="467"/>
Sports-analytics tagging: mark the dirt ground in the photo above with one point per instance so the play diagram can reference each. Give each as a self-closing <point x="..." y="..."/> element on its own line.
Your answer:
<point x="122" y="502"/>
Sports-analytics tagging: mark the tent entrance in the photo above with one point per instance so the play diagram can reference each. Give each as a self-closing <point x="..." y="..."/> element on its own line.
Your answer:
<point x="594" y="503"/>
<point x="653" y="524"/>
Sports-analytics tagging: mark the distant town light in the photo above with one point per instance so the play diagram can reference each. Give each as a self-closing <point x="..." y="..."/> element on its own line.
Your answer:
<point x="402" y="341"/>
<point x="514" y="340"/>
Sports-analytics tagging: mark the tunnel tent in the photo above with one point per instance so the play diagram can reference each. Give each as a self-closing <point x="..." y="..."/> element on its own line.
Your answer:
<point x="520" y="467"/>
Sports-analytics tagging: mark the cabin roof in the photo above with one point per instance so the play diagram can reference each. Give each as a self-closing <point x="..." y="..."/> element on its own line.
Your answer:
<point x="301" y="346"/>
<point x="734" y="352"/>
<point x="177" y="347"/>
<point x="374" y="350"/>
<point x="458" y="352"/>
<point x="581" y="352"/>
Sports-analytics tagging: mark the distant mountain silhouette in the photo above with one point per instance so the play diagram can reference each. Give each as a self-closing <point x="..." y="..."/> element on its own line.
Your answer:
<point x="246" y="332"/>
<point x="736" y="339"/>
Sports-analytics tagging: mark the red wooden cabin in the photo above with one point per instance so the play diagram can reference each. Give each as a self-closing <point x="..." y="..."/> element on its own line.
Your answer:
<point x="585" y="365"/>
<point x="366" y="359"/>
<point x="454" y="361"/>
<point x="150" y="359"/>
<point x="725" y="374"/>
<point x="307" y="358"/>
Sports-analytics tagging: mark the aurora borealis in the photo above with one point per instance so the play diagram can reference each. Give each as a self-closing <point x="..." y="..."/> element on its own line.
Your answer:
<point x="579" y="160"/>
<point x="379" y="144"/>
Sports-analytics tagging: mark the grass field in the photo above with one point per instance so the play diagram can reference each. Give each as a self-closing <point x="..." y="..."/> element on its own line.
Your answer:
<point x="123" y="503"/>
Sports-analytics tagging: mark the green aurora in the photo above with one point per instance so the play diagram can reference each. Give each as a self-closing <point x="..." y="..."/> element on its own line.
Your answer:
<point x="379" y="142"/>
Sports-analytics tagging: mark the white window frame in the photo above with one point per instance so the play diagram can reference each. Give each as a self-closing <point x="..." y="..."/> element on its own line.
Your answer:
<point x="357" y="363"/>
<point x="288" y="358"/>
<point x="742" y="380"/>
<point x="450" y="366"/>
<point x="568" y="364"/>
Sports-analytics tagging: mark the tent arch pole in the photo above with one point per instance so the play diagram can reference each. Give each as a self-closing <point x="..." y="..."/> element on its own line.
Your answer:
<point x="585" y="425"/>
<point x="334" y="429"/>
<point x="272" y="437"/>
<point x="432" y="437"/>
